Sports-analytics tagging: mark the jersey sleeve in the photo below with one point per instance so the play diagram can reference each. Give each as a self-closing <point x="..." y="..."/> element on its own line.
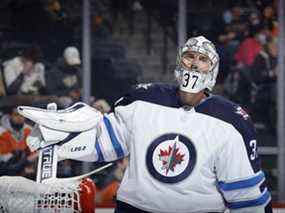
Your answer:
<point x="242" y="186"/>
<point x="114" y="134"/>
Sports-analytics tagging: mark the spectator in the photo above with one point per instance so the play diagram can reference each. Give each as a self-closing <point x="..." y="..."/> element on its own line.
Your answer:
<point x="250" y="47"/>
<point x="106" y="195"/>
<point x="270" y="20"/>
<point x="264" y="66"/>
<point x="55" y="10"/>
<point x="24" y="74"/>
<point x="269" y="15"/>
<point x="13" y="148"/>
<point x="230" y="33"/>
<point x="235" y="26"/>
<point x="254" y="20"/>
<point x="64" y="79"/>
<point x="101" y="27"/>
<point x="264" y="75"/>
<point x="102" y="105"/>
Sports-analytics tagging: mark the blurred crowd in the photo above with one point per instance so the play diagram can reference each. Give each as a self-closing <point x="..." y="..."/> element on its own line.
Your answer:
<point x="32" y="74"/>
<point x="247" y="43"/>
<point x="24" y="75"/>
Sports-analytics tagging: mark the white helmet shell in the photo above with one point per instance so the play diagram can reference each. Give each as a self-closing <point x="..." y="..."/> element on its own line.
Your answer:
<point x="190" y="80"/>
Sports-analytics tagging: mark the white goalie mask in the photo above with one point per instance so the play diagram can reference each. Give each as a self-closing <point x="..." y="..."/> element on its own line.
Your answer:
<point x="192" y="80"/>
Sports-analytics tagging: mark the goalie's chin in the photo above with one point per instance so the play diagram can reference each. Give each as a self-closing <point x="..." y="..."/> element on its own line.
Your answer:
<point x="191" y="99"/>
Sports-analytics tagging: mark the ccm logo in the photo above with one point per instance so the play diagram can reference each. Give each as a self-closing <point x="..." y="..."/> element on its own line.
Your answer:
<point x="78" y="148"/>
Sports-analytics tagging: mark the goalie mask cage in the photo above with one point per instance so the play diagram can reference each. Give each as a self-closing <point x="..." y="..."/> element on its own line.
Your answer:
<point x="21" y="195"/>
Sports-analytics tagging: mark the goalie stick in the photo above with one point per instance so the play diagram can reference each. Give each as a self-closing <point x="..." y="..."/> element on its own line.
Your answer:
<point x="47" y="163"/>
<point x="48" y="159"/>
<point x="47" y="166"/>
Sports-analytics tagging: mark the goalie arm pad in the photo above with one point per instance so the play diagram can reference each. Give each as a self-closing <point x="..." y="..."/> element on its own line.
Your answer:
<point x="112" y="139"/>
<point x="106" y="142"/>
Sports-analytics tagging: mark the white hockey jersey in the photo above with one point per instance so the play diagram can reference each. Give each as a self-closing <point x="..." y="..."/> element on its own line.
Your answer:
<point x="183" y="160"/>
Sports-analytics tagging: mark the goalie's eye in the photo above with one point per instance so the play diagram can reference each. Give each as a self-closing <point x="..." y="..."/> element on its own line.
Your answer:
<point x="204" y="58"/>
<point x="189" y="57"/>
<point x="187" y="60"/>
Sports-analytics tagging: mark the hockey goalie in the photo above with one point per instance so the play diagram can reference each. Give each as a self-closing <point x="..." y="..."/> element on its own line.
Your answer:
<point x="189" y="150"/>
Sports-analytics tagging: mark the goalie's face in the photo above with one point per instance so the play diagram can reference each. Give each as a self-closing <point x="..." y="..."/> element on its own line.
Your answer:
<point x="194" y="61"/>
<point x="197" y="65"/>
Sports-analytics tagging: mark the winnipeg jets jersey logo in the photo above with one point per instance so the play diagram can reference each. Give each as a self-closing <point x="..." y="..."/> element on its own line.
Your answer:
<point x="171" y="158"/>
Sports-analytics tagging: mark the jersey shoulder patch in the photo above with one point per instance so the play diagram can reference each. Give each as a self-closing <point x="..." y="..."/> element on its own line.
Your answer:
<point x="157" y="93"/>
<point x="223" y="109"/>
<point x="230" y="112"/>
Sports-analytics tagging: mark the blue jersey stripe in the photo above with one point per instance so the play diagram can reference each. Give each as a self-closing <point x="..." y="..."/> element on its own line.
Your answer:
<point x="265" y="197"/>
<point x="242" y="183"/>
<point x="117" y="146"/>
<point x="99" y="152"/>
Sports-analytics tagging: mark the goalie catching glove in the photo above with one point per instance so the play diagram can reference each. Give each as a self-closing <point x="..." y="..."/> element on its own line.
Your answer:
<point x="71" y="129"/>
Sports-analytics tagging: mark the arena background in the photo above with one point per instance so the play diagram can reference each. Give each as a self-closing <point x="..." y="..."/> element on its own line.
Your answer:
<point x="124" y="42"/>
